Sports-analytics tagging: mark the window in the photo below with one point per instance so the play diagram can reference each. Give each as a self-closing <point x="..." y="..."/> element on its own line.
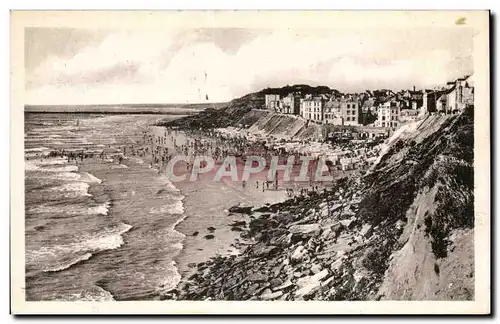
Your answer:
<point x="348" y="106"/>
<point x="383" y="124"/>
<point x="383" y="118"/>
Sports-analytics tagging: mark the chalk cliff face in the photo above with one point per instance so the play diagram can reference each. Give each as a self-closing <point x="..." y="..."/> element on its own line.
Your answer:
<point x="402" y="231"/>
<point x="421" y="195"/>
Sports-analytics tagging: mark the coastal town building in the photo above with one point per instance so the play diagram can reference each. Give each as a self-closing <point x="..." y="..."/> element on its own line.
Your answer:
<point x="350" y="112"/>
<point x="388" y="115"/>
<point x="272" y="101"/>
<point x="455" y="97"/>
<point x="368" y="105"/>
<point x="333" y="113"/>
<point x="430" y="98"/>
<point x="341" y="112"/>
<point x="289" y="104"/>
<point x="312" y="108"/>
<point x="413" y="99"/>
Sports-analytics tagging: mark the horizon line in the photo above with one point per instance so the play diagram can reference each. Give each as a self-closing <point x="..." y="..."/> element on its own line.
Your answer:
<point x="125" y="104"/>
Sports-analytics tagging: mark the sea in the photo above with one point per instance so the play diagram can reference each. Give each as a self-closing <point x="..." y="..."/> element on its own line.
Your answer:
<point x="97" y="230"/>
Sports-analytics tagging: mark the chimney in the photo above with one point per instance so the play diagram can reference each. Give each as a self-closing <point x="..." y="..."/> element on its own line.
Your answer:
<point x="413" y="88"/>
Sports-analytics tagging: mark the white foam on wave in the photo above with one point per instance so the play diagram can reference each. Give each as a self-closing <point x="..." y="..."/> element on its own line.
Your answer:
<point x="171" y="281"/>
<point x="168" y="184"/>
<point x="68" y="168"/>
<point x="55" y="161"/>
<point x="119" y="166"/>
<point x="41" y="165"/>
<point x="31" y="166"/>
<point x="53" y="129"/>
<point x="107" y="239"/>
<point x="33" y="154"/>
<point x="175" y="208"/>
<point x="96" y="294"/>
<point x="40" y="138"/>
<point x="36" y="149"/>
<point x="68" y="264"/>
<point x="92" y="178"/>
<point x="63" y="176"/>
<point x="71" y="210"/>
<point x="102" y="209"/>
<point x="79" y="187"/>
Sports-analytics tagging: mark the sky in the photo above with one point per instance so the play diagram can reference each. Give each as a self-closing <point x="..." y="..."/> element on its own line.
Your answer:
<point x="96" y="66"/>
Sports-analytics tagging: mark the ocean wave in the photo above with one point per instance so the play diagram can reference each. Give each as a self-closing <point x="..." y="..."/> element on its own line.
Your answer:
<point x="171" y="281"/>
<point x="102" y="209"/>
<point x="33" y="165"/>
<point x="107" y="241"/>
<point x="66" y="176"/>
<point x="119" y="166"/>
<point x="79" y="188"/>
<point x="71" y="210"/>
<point x="54" y="161"/>
<point x="37" y="165"/>
<point x="68" y="264"/>
<point x="61" y="257"/>
<point x="35" y="138"/>
<point x="36" y="149"/>
<point x="68" y="168"/>
<point x="91" y="178"/>
<point x="98" y="294"/>
<point x="168" y="184"/>
<point x="175" y="208"/>
<point x="63" y="176"/>
<point x="95" y="293"/>
<point x="53" y="129"/>
<point x="36" y="155"/>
